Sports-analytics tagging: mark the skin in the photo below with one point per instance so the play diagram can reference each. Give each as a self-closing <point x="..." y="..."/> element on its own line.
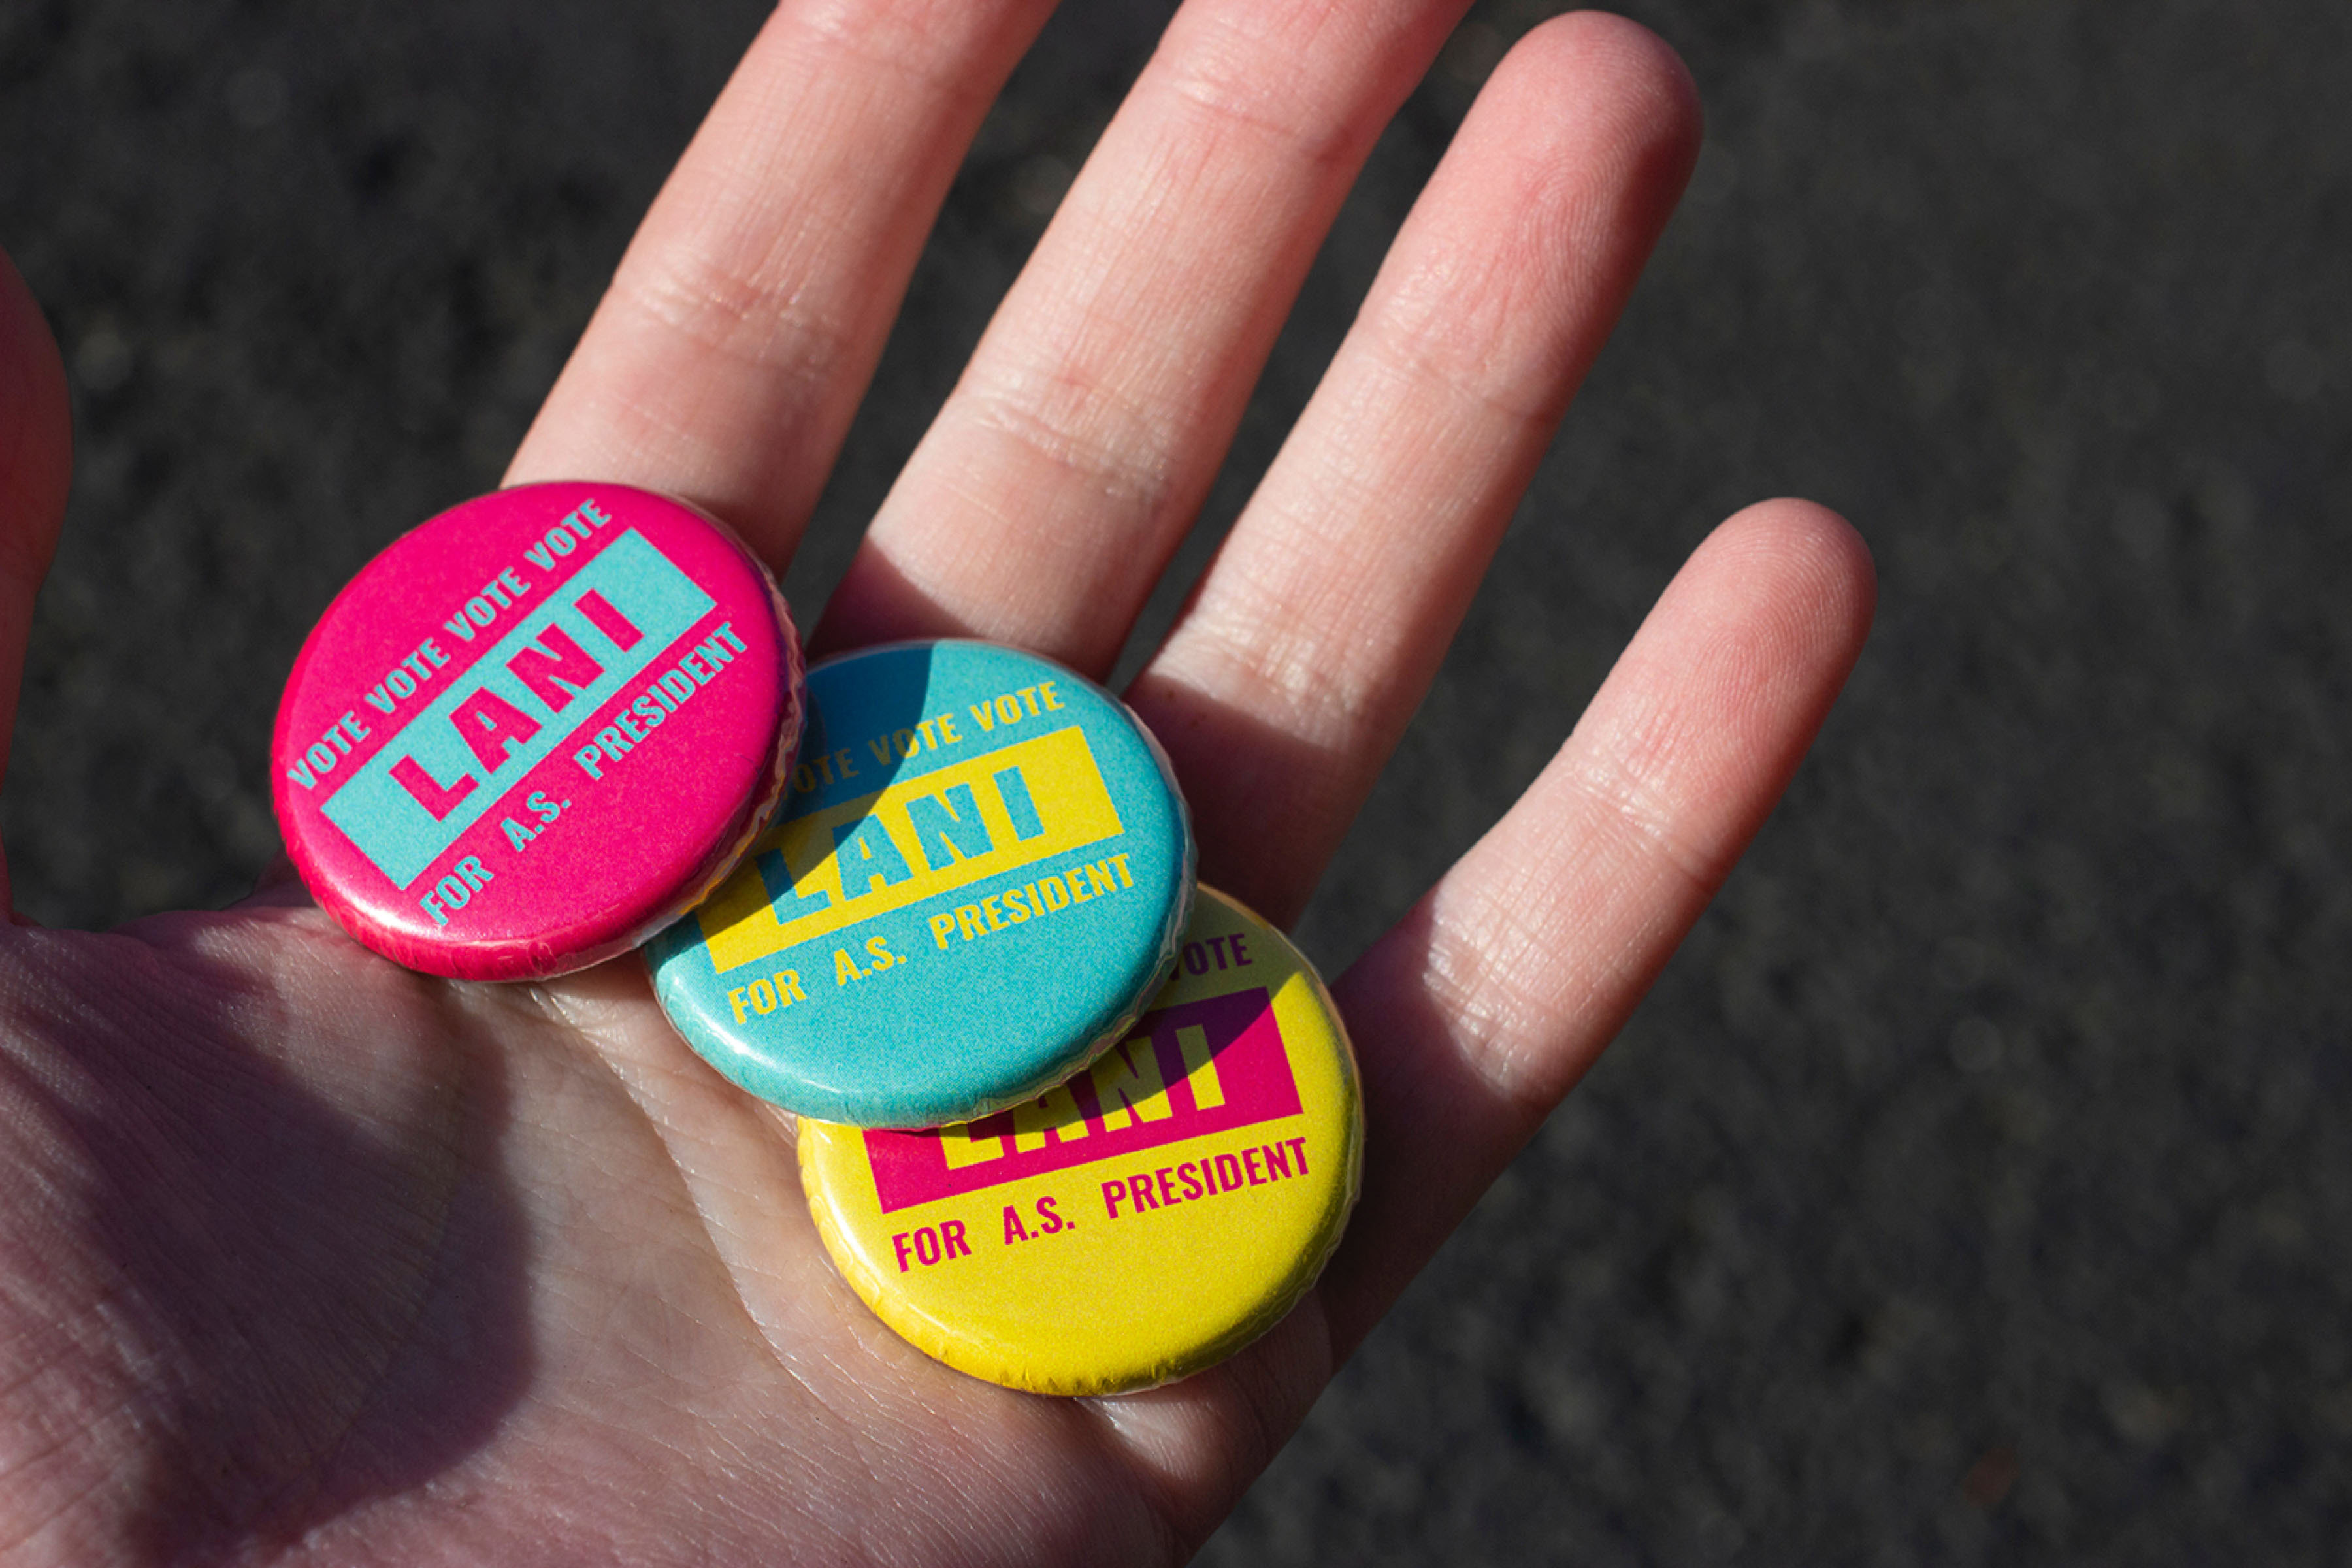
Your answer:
<point x="304" y="1257"/>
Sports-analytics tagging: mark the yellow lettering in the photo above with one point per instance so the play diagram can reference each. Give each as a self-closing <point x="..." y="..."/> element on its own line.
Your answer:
<point x="1200" y="1068"/>
<point x="962" y="1149"/>
<point x="740" y="923"/>
<point x="1055" y="1111"/>
<point x="1130" y="1073"/>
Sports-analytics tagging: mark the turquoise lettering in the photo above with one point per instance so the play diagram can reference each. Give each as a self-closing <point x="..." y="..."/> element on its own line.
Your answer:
<point x="953" y="820"/>
<point x="1018" y="805"/>
<point x="869" y="861"/>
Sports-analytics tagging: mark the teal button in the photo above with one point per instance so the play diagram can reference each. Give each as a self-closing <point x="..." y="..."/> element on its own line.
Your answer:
<point x="979" y="878"/>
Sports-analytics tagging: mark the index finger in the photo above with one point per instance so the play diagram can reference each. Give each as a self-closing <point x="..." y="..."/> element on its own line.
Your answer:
<point x="724" y="363"/>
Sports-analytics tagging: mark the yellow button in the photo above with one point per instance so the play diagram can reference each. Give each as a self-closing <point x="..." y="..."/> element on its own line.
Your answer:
<point x="1146" y="1218"/>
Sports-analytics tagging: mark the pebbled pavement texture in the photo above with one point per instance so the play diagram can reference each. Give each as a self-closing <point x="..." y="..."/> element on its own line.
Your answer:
<point x="1966" y="1191"/>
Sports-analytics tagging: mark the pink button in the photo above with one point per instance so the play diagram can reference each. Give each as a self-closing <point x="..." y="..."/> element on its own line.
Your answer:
<point x="536" y="730"/>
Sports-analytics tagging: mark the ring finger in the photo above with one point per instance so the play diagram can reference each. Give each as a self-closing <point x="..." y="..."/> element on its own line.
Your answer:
<point x="1045" y="499"/>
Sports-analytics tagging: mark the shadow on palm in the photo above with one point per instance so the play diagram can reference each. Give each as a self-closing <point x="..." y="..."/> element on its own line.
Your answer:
<point x="268" y="1167"/>
<point x="353" y="1235"/>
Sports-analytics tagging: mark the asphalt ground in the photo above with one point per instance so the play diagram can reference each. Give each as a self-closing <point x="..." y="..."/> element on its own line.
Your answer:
<point x="1973" y="1187"/>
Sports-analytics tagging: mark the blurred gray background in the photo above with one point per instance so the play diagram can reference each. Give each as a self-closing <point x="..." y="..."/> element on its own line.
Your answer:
<point x="1973" y="1188"/>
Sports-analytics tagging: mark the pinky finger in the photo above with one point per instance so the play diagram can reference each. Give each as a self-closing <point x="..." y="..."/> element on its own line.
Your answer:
<point x="1486" y="1004"/>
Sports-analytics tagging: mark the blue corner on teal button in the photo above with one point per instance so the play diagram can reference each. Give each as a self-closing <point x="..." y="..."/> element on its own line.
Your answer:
<point x="979" y="876"/>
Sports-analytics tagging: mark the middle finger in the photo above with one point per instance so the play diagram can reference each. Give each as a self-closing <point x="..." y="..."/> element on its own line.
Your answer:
<point x="1044" y="500"/>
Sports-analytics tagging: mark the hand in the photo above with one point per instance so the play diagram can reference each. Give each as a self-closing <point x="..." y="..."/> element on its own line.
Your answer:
<point x="300" y="1248"/>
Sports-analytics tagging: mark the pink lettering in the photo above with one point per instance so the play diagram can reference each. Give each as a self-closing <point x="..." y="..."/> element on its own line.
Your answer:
<point x="410" y="774"/>
<point x="490" y="724"/>
<point x="609" y="621"/>
<point x="555" y="658"/>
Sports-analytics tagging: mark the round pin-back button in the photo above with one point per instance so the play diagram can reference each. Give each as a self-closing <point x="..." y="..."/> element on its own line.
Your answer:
<point x="978" y="879"/>
<point x="536" y="729"/>
<point x="1138" y="1223"/>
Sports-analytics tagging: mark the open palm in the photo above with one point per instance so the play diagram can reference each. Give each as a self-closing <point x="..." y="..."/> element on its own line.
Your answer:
<point x="302" y="1253"/>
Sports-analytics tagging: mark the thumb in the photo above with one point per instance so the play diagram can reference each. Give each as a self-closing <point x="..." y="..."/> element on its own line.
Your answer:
<point x="36" y="460"/>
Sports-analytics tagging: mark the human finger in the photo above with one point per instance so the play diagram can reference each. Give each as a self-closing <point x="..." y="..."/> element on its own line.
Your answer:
<point x="1045" y="499"/>
<point x="1491" y="998"/>
<point x="738" y="333"/>
<point x="1481" y="1007"/>
<point x="36" y="462"/>
<point x="1289" y="677"/>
